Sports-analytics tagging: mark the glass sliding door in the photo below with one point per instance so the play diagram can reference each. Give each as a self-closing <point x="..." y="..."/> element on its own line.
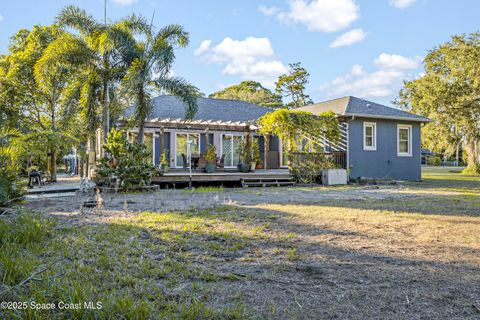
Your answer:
<point x="232" y="148"/>
<point x="181" y="146"/>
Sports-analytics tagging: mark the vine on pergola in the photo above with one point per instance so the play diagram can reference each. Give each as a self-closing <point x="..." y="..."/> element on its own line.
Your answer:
<point x="289" y="124"/>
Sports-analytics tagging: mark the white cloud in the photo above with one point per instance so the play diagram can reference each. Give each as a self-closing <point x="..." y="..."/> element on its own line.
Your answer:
<point x="251" y="58"/>
<point x="320" y="15"/>
<point x="124" y="3"/>
<point x="268" y="11"/>
<point x="204" y="47"/>
<point x="349" y="38"/>
<point x="402" y="4"/>
<point x="1" y="18"/>
<point x="395" y="61"/>
<point x="383" y="82"/>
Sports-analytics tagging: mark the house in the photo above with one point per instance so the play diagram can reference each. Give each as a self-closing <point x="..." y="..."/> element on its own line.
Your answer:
<point x="380" y="141"/>
<point x="223" y="123"/>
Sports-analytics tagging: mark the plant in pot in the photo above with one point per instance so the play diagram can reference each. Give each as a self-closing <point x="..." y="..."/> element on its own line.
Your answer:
<point x="164" y="161"/>
<point x="211" y="159"/>
<point x="246" y="158"/>
<point x="256" y="155"/>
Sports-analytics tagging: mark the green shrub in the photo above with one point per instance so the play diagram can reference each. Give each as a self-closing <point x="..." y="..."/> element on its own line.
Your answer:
<point x="211" y="155"/>
<point x="129" y="162"/>
<point x="11" y="186"/>
<point x="434" y="161"/>
<point x="306" y="167"/>
<point x="472" y="170"/>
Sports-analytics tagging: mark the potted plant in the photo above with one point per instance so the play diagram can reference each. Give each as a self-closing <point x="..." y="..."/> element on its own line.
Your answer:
<point x="164" y="161"/>
<point x="256" y="154"/>
<point x="244" y="164"/>
<point x="211" y="158"/>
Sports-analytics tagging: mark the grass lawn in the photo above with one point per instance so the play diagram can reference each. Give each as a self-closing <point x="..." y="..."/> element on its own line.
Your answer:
<point x="415" y="256"/>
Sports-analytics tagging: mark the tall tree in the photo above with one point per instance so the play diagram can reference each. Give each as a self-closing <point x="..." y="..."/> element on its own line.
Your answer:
<point x="449" y="93"/>
<point x="292" y="86"/>
<point x="250" y="91"/>
<point x="61" y="101"/>
<point x="36" y="87"/>
<point x="150" y="62"/>
<point x="105" y="66"/>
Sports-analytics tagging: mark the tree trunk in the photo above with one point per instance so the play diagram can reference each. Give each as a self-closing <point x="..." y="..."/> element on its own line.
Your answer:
<point x="53" y="156"/>
<point x="457" y="155"/>
<point x="53" y="166"/>
<point x="265" y="148"/>
<point x="141" y="132"/>
<point x="472" y="157"/>
<point x="105" y="115"/>
<point x="162" y="140"/>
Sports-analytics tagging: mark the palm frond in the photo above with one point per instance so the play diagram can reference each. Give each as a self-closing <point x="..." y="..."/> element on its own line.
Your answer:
<point x="173" y="34"/>
<point x="136" y="24"/>
<point x="66" y="51"/>
<point x="185" y="91"/>
<point x="78" y="19"/>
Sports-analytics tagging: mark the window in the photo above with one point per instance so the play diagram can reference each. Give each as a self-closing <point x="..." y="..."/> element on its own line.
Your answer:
<point x="404" y="140"/>
<point x="232" y="148"/>
<point x="369" y="136"/>
<point x="181" y="146"/>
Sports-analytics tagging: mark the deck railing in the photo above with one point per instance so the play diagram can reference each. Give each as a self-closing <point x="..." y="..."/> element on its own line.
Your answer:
<point x="306" y="167"/>
<point x="321" y="160"/>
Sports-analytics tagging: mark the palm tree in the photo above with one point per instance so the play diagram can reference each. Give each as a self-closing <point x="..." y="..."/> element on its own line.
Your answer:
<point x="150" y="62"/>
<point x="108" y="48"/>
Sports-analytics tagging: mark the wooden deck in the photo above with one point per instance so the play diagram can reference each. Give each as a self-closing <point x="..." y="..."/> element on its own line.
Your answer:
<point x="175" y="176"/>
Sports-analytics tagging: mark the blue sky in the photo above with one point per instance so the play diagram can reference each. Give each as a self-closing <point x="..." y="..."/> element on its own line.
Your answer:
<point x="362" y="48"/>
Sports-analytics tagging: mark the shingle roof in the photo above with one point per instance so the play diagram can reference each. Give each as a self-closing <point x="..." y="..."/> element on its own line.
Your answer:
<point x="352" y="106"/>
<point x="170" y="107"/>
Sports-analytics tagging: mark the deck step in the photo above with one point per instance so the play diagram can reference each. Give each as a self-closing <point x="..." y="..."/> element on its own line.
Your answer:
<point x="267" y="182"/>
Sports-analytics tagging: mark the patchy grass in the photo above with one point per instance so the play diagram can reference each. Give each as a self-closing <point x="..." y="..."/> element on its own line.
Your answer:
<point x="206" y="189"/>
<point x="408" y="258"/>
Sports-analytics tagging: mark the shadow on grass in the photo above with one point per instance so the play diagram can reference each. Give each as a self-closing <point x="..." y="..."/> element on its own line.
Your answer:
<point x="212" y="263"/>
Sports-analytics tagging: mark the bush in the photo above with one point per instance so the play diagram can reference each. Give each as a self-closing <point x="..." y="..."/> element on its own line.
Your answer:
<point x="434" y="161"/>
<point x="129" y="162"/>
<point x="306" y="167"/>
<point x="11" y="186"/>
<point x="211" y="155"/>
<point x="472" y="170"/>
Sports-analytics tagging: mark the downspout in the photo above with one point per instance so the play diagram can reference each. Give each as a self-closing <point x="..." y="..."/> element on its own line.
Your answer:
<point x="348" y="145"/>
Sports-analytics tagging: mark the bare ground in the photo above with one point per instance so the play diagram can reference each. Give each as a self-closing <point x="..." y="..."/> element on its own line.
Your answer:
<point x="408" y="251"/>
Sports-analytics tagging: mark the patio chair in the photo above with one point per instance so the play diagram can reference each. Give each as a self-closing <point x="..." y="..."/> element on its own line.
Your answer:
<point x="202" y="162"/>
<point x="221" y="161"/>
<point x="185" y="163"/>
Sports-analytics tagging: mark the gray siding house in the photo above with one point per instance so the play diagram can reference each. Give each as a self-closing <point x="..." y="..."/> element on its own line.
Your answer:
<point x="377" y="141"/>
<point x="380" y="141"/>
<point x="223" y="123"/>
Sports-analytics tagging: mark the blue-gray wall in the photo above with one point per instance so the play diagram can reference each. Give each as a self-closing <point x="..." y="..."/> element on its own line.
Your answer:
<point x="384" y="162"/>
<point x="166" y="146"/>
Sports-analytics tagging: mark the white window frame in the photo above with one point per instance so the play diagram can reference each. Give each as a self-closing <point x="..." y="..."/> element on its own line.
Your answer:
<point x="374" y="136"/>
<point x="409" y="128"/>
<point x="188" y="135"/>
<point x="233" y="134"/>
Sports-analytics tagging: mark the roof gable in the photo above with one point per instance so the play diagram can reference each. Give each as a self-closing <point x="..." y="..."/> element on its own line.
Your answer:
<point x="353" y="106"/>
